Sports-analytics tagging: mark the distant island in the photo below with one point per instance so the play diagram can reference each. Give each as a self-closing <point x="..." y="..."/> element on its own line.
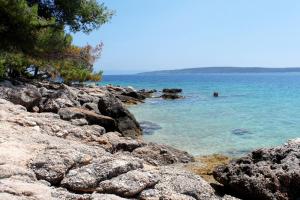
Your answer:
<point x="223" y="70"/>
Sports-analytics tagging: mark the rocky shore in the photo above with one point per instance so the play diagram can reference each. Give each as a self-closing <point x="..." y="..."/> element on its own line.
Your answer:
<point x="61" y="142"/>
<point x="82" y="143"/>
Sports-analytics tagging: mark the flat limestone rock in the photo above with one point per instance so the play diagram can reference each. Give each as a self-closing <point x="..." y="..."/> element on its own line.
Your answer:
<point x="157" y="154"/>
<point x="182" y="182"/>
<point x="88" y="177"/>
<point x="129" y="184"/>
<point x="52" y="164"/>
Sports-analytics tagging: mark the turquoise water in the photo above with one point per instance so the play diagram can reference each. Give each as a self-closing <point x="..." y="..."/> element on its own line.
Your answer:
<point x="253" y="110"/>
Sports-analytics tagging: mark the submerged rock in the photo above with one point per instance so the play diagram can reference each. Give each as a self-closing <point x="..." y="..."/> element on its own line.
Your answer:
<point x="171" y="96"/>
<point x="149" y="127"/>
<point x="264" y="174"/>
<point x="240" y="131"/>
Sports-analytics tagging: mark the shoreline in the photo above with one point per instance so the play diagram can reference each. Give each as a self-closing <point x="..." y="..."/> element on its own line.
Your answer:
<point x="63" y="142"/>
<point x="72" y="149"/>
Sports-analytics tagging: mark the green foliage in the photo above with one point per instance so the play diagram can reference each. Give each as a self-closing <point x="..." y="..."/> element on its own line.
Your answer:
<point x="77" y="74"/>
<point x="33" y="35"/>
<point x="78" y="15"/>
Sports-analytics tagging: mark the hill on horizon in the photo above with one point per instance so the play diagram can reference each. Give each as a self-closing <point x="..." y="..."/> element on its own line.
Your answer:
<point x="223" y="70"/>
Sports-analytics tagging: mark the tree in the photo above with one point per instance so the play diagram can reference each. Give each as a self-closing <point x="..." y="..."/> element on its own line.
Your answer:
<point x="33" y="32"/>
<point x="78" y="15"/>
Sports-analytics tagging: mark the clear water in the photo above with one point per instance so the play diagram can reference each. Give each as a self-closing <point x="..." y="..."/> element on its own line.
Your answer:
<point x="266" y="107"/>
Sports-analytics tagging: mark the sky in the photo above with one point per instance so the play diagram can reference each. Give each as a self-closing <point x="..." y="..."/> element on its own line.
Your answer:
<point x="147" y="35"/>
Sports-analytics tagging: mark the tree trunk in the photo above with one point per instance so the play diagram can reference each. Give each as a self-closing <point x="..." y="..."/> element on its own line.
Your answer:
<point x="36" y="71"/>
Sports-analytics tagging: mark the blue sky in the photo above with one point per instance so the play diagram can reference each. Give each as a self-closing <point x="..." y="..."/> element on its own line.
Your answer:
<point x="149" y="35"/>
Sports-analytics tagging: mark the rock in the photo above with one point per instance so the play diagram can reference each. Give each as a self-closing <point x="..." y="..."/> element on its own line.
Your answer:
<point x="171" y="93"/>
<point x="61" y="97"/>
<point x="128" y="100"/>
<point x="147" y="93"/>
<point x="171" y="96"/>
<point x="153" y="194"/>
<point x="78" y="113"/>
<point x="156" y="154"/>
<point x="215" y="94"/>
<point x="172" y="90"/>
<point x="132" y="93"/>
<point x="272" y="173"/>
<point x="239" y="131"/>
<point x="129" y="184"/>
<point x="88" y="177"/>
<point x="79" y="122"/>
<point x="179" y="184"/>
<point x="25" y="95"/>
<point x="126" y="122"/>
<point x="126" y="95"/>
<point x="52" y="164"/>
<point x="97" y="196"/>
<point x="56" y="101"/>
<point x="63" y="194"/>
<point x="113" y="142"/>
<point x="35" y="109"/>
<point x="85" y="98"/>
<point x="149" y="127"/>
<point x="92" y="107"/>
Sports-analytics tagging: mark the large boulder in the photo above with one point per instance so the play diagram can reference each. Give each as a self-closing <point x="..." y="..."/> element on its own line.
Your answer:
<point x="72" y="113"/>
<point x="88" y="177"/>
<point x="52" y="164"/>
<point x="61" y="97"/>
<point x="264" y="174"/>
<point x="92" y="107"/>
<point x="25" y="94"/>
<point x="126" y="122"/>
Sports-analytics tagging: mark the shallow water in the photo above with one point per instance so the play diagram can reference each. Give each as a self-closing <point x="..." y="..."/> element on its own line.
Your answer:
<point x="253" y="110"/>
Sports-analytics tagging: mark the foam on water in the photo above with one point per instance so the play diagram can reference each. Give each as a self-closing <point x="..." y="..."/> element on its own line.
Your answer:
<point x="253" y="110"/>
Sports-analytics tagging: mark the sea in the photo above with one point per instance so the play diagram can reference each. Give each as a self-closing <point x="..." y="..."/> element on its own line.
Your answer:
<point x="252" y="110"/>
